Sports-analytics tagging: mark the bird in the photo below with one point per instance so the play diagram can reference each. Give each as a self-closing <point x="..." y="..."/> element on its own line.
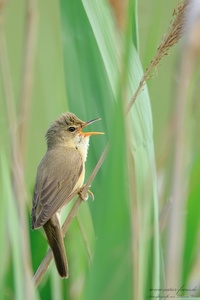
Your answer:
<point x="60" y="174"/>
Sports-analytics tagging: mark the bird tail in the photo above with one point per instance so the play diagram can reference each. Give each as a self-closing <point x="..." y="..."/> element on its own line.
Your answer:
<point x="55" y="239"/>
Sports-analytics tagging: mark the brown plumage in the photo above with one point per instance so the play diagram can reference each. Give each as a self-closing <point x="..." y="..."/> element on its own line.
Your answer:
<point x="60" y="173"/>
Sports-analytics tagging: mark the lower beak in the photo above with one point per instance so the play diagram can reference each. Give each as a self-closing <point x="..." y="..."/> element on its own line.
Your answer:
<point x="90" y="133"/>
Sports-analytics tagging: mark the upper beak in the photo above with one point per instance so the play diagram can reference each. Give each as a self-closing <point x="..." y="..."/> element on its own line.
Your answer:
<point x="88" y="123"/>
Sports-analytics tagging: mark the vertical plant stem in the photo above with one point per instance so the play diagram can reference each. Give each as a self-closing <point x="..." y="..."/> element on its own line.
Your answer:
<point x="180" y="178"/>
<point x="27" y="80"/>
<point x="28" y="70"/>
<point x="17" y="135"/>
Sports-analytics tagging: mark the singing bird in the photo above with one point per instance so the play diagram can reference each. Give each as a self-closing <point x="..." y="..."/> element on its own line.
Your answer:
<point x="60" y="173"/>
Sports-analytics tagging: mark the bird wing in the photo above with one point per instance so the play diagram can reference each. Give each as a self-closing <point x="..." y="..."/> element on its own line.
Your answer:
<point x="57" y="176"/>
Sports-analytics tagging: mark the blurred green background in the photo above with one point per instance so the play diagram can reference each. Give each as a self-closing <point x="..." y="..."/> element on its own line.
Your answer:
<point x="87" y="57"/>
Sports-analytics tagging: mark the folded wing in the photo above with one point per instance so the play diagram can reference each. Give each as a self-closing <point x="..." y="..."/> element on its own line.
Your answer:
<point x="57" y="176"/>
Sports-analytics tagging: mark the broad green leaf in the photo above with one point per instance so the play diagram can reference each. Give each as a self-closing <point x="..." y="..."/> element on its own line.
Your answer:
<point x="3" y="222"/>
<point x="99" y="36"/>
<point x="192" y="222"/>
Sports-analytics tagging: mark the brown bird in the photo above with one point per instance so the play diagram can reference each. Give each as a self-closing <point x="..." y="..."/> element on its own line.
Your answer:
<point x="60" y="173"/>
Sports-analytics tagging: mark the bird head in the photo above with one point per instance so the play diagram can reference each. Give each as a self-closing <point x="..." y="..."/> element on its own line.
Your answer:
<point x="67" y="130"/>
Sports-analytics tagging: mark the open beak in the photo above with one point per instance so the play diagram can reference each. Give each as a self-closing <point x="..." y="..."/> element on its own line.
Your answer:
<point x="89" y="133"/>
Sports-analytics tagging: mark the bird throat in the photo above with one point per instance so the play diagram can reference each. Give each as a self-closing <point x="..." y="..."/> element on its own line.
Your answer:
<point x="82" y="145"/>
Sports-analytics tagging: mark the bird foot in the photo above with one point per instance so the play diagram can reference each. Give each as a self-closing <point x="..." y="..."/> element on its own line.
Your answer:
<point x="84" y="196"/>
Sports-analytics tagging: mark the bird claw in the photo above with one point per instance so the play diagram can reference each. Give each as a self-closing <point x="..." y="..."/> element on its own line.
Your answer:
<point x="85" y="196"/>
<point x="91" y="194"/>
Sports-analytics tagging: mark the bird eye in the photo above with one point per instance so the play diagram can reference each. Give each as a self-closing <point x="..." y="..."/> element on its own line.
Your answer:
<point x="71" y="129"/>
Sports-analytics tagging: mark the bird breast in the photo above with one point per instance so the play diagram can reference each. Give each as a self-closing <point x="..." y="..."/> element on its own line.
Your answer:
<point x="82" y="145"/>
